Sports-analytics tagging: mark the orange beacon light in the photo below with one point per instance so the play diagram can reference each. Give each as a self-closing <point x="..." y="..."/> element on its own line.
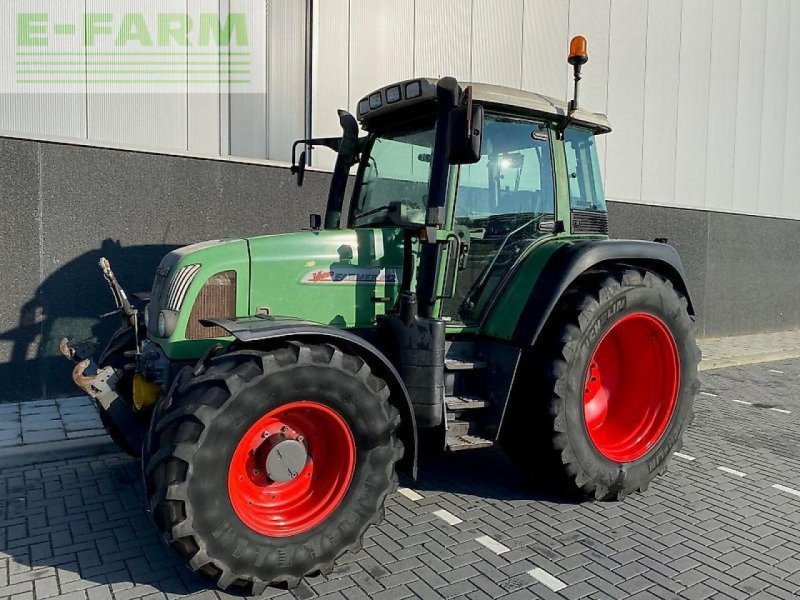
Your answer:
<point x="578" y="51"/>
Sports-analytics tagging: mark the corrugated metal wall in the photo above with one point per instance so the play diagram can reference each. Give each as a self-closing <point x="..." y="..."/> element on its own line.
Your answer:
<point x="212" y="119"/>
<point x="703" y="94"/>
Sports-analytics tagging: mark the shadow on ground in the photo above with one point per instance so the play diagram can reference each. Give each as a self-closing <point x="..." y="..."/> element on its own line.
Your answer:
<point x="485" y="474"/>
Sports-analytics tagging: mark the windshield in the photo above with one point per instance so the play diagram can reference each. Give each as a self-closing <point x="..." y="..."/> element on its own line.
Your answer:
<point x="393" y="181"/>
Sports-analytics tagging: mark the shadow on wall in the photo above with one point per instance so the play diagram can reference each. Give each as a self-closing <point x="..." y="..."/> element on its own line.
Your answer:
<point x="69" y="302"/>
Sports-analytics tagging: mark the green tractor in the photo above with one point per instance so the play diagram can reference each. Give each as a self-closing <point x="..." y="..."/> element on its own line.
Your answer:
<point x="468" y="297"/>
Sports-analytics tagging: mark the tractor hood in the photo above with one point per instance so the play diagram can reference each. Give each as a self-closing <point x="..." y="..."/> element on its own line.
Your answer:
<point x="337" y="277"/>
<point x="343" y="278"/>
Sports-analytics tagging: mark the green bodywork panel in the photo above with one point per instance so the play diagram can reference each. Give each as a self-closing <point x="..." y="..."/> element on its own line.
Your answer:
<point x="341" y="278"/>
<point x="214" y="257"/>
<point x="503" y="317"/>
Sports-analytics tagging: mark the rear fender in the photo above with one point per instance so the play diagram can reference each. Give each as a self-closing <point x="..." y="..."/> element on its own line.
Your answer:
<point x="272" y="331"/>
<point x="569" y="262"/>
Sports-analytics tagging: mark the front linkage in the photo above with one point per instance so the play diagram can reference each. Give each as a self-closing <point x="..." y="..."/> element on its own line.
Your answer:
<point x="106" y="382"/>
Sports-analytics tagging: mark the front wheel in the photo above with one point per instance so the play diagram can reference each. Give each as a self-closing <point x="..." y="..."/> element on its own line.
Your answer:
<point x="617" y="372"/>
<point x="123" y="341"/>
<point x="269" y="465"/>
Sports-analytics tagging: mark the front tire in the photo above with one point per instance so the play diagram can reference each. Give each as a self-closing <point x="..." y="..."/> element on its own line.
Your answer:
<point x="124" y="340"/>
<point x="617" y="369"/>
<point x="267" y="466"/>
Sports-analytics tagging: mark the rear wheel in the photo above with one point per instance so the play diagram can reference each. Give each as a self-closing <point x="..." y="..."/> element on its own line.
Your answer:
<point x="617" y="369"/>
<point x="267" y="466"/>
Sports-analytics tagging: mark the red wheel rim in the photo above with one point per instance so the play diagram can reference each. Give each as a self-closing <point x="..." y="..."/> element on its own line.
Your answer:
<point x="631" y="387"/>
<point x="284" y="508"/>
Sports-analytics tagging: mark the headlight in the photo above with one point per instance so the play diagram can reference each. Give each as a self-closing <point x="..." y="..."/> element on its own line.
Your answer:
<point x="414" y="89"/>
<point x="393" y="94"/>
<point x="167" y="322"/>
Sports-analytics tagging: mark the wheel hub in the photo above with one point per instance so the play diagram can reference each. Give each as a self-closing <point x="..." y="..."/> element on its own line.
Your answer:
<point x="291" y="469"/>
<point x="286" y="458"/>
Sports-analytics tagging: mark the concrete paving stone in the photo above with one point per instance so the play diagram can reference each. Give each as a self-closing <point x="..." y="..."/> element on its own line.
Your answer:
<point x="90" y="410"/>
<point x="579" y="590"/>
<point x="18" y="588"/>
<point x="47" y="587"/>
<point x="725" y="591"/>
<point x="11" y="442"/>
<point x="76" y="595"/>
<point x="29" y="426"/>
<point x="38" y="437"/>
<point x="74" y="403"/>
<point x="86" y="433"/>
<point x="48" y="415"/>
<point x="79" y="424"/>
<point x="33" y="574"/>
<point x="38" y="403"/>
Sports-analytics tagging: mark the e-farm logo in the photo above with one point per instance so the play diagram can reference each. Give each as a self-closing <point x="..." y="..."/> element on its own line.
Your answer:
<point x="143" y="51"/>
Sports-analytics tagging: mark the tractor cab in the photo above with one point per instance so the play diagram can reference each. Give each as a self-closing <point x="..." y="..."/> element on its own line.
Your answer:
<point x="535" y="175"/>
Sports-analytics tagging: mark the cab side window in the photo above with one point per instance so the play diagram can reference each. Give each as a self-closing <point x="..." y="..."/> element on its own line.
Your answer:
<point x="583" y="169"/>
<point x="513" y="177"/>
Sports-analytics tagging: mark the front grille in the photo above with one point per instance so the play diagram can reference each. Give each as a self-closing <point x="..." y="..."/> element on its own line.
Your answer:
<point x="179" y="286"/>
<point x="216" y="299"/>
<point x="589" y="221"/>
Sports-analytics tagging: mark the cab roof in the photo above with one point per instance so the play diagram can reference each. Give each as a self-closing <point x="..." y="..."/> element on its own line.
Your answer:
<point x="412" y="96"/>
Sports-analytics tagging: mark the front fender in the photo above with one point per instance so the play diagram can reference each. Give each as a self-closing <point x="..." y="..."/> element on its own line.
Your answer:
<point x="274" y="330"/>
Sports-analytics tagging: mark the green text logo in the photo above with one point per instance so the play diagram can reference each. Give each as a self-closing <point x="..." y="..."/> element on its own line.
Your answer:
<point x="150" y="47"/>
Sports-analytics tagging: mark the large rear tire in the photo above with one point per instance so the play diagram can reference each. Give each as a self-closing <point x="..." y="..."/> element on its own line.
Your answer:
<point x="267" y="466"/>
<point x="615" y="374"/>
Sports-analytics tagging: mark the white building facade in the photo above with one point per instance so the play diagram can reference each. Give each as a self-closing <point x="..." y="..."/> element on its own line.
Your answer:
<point x="702" y="94"/>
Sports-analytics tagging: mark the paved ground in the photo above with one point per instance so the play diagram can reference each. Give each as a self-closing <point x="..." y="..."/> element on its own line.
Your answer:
<point x="25" y="424"/>
<point x="723" y="523"/>
<point x="749" y="349"/>
<point x="42" y="421"/>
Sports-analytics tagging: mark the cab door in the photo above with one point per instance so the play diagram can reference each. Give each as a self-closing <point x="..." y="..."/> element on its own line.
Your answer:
<point x="504" y="204"/>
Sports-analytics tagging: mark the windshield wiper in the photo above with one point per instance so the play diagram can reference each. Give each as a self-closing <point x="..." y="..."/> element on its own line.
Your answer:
<point x="387" y="208"/>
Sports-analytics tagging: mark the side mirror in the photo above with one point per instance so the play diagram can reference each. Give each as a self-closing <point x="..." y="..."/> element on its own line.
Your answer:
<point x="465" y="133"/>
<point x="300" y="169"/>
